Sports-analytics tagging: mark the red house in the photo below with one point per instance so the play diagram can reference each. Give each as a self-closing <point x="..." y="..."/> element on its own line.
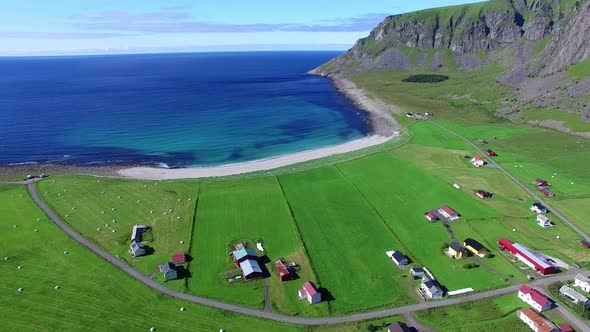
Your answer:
<point x="545" y="191"/>
<point x="483" y="194"/>
<point x="531" y="258"/>
<point x="491" y="153"/>
<point x="541" y="182"/>
<point x="283" y="272"/>
<point x="430" y="216"/>
<point x="179" y="258"/>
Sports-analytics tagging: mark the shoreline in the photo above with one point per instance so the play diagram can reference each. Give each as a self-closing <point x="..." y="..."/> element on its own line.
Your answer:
<point x="384" y="128"/>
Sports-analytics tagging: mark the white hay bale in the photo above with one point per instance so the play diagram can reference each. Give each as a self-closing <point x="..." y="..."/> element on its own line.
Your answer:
<point x="189" y="199"/>
<point x="145" y="185"/>
<point x="114" y="231"/>
<point x="178" y="218"/>
<point x="558" y="237"/>
<point x="151" y="211"/>
<point x="38" y="219"/>
<point x="101" y="212"/>
<point x="73" y="208"/>
<point x="97" y="180"/>
<point x="118" y="196"/>
<point x="165" y="213"/>
<point x="21" y="289"/>
<point x="67" y="215"/>
<point x="19" y="267"/>
<point x="6" y="258"/>
<point x="98" y="229"/>
<point x="572" y="183"/>
<point x="178" y="200"/>
<point x="182" y="308"/>
<point x="113" y="209"/>
<point x="36" y="230"/>
<point x="107" y="225"/>
<point x="181" y="242"/>
<point x="56" y="287"/>
<point x="66" y="252"/>
<point x="514" y="229"/>
<point x="14" y="226"/>
<point x="152" y="329"/>
<point x="170" y="210"/>
<point x="138" y="201"/>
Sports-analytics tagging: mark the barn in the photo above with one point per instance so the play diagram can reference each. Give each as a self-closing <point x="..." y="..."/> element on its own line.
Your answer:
<point x="545" y="191"/>
<point x="283" y="272"/>
<point x="529" y="257"/>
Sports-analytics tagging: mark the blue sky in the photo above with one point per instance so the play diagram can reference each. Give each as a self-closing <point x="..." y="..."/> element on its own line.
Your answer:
<point x="31" y="27"/>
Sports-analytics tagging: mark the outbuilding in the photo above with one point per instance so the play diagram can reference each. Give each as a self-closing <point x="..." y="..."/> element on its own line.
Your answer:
<point x="545" y="191"/>
<point x="179" y="258"/>
<point x="541" y="182"/>
<point x="284" y="273"/>
<point x="531" y="258"/>
<point x="417" y="272"/>
<point x="543" y="221"/>
<point x="250" y="269"/>
<point x="573" y="295"/>
<point x="398" y="258"/>
<point x="475" y="247"/>
<point x="583" y="282"/>
<point x="137" y="232"/>
<point x="430" y="216"/>
<point x="136" y="249"/>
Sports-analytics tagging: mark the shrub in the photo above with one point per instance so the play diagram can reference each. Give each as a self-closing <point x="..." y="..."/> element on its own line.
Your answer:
<point x="426" y="78"/>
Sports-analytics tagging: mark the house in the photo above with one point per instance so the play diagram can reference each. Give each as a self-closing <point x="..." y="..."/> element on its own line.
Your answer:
<point x="431" y="289"/>
<point x="250" y="269"/>
<point x="533" y="259"/>
<point x="565" y="328"/>
<point x="448" y="213"/>
<point x="585" y="244"/>
<point x="410" y="115"/>
<point x="310" y="293"/>
<point x="456" y="251"/>
<point x="243" y="254"/>
<point x="398" y="327"/>
<point x="477" y="161"/>
<point x="136" y="249"/>
<point x="536" y="322"/>
<point x="545" y="191"/>
<point x="543" y="221"/>
<point x="398" y="258"/>
<point x="583" y="282"/>
<point x="283" y="272"/>
<point x="169" y="271"/>
<point x="417" y="272"/>
<point x="137" y="232"/>
<point x="179" y="258"/>
<point x="573" y="296"/>
<point x="542" y="183"/>
<point x="534" y="298"/>
<point x="539" y="208"/>
<point x="430" y="216"/>
<point x="475" y="247"/>
<point x="491" y="153"/>
<point x="483" y="194"/>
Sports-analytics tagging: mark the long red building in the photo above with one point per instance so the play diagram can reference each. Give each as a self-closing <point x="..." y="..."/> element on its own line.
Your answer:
<point x="531" y="258"/>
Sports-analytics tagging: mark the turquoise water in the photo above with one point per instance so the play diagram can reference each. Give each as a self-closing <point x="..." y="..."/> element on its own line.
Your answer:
<point x="173" y="109"/>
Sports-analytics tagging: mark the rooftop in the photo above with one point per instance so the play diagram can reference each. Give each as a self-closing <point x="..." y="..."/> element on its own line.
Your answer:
<point x="473" y="244"/>
<point x="537" y="296"/>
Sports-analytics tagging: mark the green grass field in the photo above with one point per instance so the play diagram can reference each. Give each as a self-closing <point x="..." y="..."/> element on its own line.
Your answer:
<point x="346" y="241"/>
<point x="92" y="294"/>
<point x="571" y="121"/>
<point x="496" y="314"/>
<point x="88" y="204"/>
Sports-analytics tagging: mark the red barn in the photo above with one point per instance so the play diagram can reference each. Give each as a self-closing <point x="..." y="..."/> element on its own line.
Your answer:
<point x="585" y="244"/>
<point x="483" y="194"/>
<point x="531" y="258"/>
<point x="491" y="153"/>
<point x="541" y="182"/>
<point x="283" y="272"/>
<point x="545" y="191"/>
<point x="179" y="258"/>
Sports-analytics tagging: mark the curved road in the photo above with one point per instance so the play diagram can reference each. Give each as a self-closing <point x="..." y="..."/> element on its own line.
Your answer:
<point x="270" y="315"/>
<point x="494" y="164"/>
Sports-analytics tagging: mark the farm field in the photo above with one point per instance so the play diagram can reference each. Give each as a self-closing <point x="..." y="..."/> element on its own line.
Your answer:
<point x="115" y="297"/>
<point x="246" y="211"/>
<point x="346" y="241"/>
<point x="402" y="193"/>
<point x="496" y="314"/>
<point x="114" y="206"/>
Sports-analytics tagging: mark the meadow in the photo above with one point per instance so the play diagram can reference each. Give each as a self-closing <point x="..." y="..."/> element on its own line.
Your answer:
<point x="495" y="314"/>
<point x="91" y="292"/>
<point x="105" y="211"/>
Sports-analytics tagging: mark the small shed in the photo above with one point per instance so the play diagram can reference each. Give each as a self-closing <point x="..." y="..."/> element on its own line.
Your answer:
<point x="179" y="258"/>
<point x="430" y="216"/>
<point x="284" y="273"/>
<point x="398" y="258"/>
<point x="417" y="272"/>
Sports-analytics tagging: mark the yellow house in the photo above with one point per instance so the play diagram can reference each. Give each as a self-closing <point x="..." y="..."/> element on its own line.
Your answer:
<point x="456" y="251"/>
<point x="475" y="247"/>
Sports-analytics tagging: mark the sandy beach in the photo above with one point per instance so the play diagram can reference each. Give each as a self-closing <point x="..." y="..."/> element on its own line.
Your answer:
<point x="150" y="173"/>
<point x="384" y="128"/>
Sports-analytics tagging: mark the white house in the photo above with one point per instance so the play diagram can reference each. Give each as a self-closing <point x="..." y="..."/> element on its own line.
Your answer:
<point x="310" y="293"/>
<point x="534" y="298"/>
<point x="417" y="272"/>
<point x="477" y="161"/>
<point x="583" y="282"/>
<point x="169" y="271"/>
<point x="539" y="208"/>
<point x="138" y="230"/>
<point x="543" y="221"/>
<point x="431" y="289"/>
<point x="136" y="249"/>
<point x="537" y="322"/>
<point x="572" y="295"/>
<point x="398" y="258"/>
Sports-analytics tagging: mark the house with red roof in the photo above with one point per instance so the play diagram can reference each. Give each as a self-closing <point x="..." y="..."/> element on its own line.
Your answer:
<point x="448" y="213"/>
<point x="477" y="161"/>
<point x="565" y="328"/>
<point x="537" y="322"/>
<point x="534" y="298"/>
<point x="179" y="258"/>
<point x="541" y="182"/>
<point x="310" y="293"/>
<point x="283" y="271"/>
<point x="430" y="216"/>
<point x="533" y="259"/>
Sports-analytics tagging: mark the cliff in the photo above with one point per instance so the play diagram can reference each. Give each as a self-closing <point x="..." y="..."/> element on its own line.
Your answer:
<point x="462" y="37"/>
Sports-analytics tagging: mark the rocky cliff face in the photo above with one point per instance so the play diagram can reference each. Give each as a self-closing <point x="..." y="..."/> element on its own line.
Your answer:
<point x="468" y="30"/>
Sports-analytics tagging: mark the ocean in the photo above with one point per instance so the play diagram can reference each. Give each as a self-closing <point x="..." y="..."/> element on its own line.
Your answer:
<point x="172" y="110"/>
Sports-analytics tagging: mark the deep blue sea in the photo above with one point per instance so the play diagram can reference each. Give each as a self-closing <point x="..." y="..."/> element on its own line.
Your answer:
<point x="173" y="109"/>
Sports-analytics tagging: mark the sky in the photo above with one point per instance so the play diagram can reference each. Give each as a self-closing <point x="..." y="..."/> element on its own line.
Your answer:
<point x="35" y="27"/>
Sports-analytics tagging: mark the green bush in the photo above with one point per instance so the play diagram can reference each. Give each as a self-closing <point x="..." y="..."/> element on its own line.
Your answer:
<point x="426" y="78"/>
